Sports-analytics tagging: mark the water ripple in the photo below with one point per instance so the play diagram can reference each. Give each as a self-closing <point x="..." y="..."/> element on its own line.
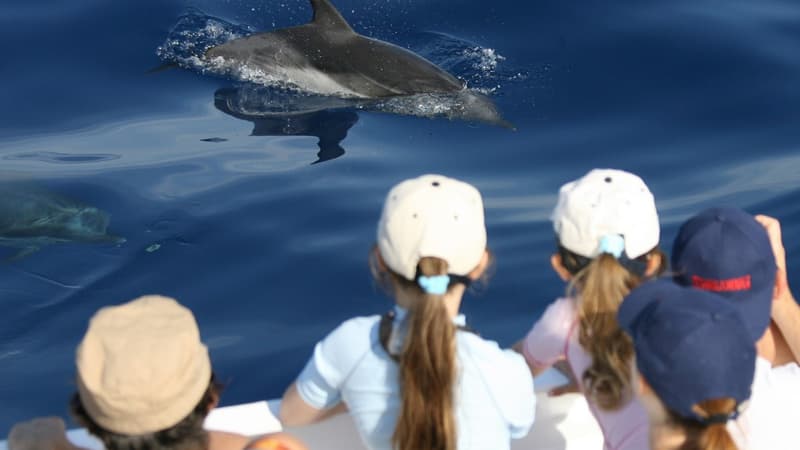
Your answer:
<point x="62" y="158"/>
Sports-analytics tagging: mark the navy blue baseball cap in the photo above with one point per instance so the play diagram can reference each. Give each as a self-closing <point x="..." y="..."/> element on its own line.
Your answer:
<point x="691" y="345"/>
<point x="726" y="251"/>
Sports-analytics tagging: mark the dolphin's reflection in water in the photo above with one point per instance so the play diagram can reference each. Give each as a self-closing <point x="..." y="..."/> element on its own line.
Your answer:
<point x="276" y="114"/>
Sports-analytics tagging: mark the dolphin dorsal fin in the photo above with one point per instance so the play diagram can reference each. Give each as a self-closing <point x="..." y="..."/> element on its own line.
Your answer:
<point x="327" y="16"/>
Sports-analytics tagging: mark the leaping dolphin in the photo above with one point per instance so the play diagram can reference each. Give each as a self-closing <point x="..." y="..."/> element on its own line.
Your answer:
<point x="326" y="56"/>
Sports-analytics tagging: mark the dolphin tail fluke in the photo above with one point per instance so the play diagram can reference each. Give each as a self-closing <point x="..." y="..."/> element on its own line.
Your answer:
<point x="327" y="16"/>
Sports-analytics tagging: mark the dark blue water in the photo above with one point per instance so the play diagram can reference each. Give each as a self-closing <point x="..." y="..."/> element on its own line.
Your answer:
<point x="699" y="97"/>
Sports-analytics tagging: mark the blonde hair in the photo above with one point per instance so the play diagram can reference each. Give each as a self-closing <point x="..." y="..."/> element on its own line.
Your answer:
<point x="427" y="365"/>
<point x="712" y="436"/>
<point x="602" y="284"/>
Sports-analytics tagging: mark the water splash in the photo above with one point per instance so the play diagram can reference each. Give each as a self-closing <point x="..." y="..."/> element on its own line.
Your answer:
<point x="193" y="34"/>
<point x="483" y="70"/>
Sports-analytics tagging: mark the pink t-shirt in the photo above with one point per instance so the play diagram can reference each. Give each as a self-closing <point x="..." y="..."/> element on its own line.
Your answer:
<point x="555" y="337"/>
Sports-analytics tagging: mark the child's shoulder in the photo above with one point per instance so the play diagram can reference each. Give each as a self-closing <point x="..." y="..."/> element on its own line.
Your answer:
<point x="561" y="308"/>
<point x="553" y="326"/>
<point x="356" y="326"/>
<point x="485" y="351"/>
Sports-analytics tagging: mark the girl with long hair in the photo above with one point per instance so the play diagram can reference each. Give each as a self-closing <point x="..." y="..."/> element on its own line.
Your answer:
<point x="607" y="234"/>
<point x="417" y="378"/>
<point x="695" y="360"/>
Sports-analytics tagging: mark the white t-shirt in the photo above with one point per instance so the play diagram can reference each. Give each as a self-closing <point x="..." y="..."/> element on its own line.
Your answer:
<point x="770" y="419"/>
<point x="494" y="393"/>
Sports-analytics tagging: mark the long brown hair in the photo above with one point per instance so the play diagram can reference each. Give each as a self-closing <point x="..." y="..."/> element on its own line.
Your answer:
<point x="713" y="436"/>
<point x="427" y="366"/>
<point x="602" y="285"/>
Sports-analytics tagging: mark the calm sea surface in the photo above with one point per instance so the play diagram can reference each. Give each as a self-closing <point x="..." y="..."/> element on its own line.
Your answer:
<point x="225" y="211"/>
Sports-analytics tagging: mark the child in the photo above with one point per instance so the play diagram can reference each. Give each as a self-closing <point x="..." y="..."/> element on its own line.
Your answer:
<point x="417" y="378"/>
<point x="607" y="233"/>
<point x="696" y="360"/>
<point x="741" y="258"/>
<point x="144" y="381"/>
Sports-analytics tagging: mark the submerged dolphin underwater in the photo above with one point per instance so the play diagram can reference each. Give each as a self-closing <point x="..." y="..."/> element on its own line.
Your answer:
<point x="326" y="56"/>
<point x="30" y="219"/>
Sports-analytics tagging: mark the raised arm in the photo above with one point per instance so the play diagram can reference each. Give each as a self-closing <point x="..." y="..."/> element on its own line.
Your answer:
<point x="785" y="310"/>
<point x="536" y="369"/>
<point x="561" y="365"/>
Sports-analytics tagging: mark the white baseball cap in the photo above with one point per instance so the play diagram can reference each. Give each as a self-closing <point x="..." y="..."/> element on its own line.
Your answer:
<point x="432" y="216"/>
<point x="606" y="202"/>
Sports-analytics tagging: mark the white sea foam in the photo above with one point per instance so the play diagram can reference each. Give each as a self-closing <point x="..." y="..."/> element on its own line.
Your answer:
<point x="487" y="59"/>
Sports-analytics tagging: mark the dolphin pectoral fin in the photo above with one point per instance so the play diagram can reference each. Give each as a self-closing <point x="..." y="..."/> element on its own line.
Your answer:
<point x="328" y="151"/>
<point x="327" y="16"/>
<point x="21" y="254"/>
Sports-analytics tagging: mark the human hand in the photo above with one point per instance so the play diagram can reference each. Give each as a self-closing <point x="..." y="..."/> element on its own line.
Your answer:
<point x="42" y="433"/>
<point x="276" y="441"/>
<point x="773" y="227"/>
<point x="785" y="310"/>
<point x="571" y="386"/>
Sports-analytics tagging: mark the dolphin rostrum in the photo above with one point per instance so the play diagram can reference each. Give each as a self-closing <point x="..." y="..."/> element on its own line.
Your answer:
<point x="327" y="57"/>
<point x="31" y="218"/>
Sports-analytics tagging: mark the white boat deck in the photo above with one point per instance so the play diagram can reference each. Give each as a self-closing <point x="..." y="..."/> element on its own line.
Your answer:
<point x="562" y="423"/>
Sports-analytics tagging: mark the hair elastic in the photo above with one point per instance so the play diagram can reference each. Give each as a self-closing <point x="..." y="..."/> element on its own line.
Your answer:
<point x="717" y="419"/>
<point x="436" y="285"/>
<point x="613" y="244"/>
<point x="574" y="262"/>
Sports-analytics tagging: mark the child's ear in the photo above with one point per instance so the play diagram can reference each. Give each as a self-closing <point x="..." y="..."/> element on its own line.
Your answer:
<point x="477" y="272"/>
<point x="642" y="387"/>
<point x="558" y="266"/>
<point x="214" y="400"/>
<point x="654" y="262"/>
<point x="379" y="259"/>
